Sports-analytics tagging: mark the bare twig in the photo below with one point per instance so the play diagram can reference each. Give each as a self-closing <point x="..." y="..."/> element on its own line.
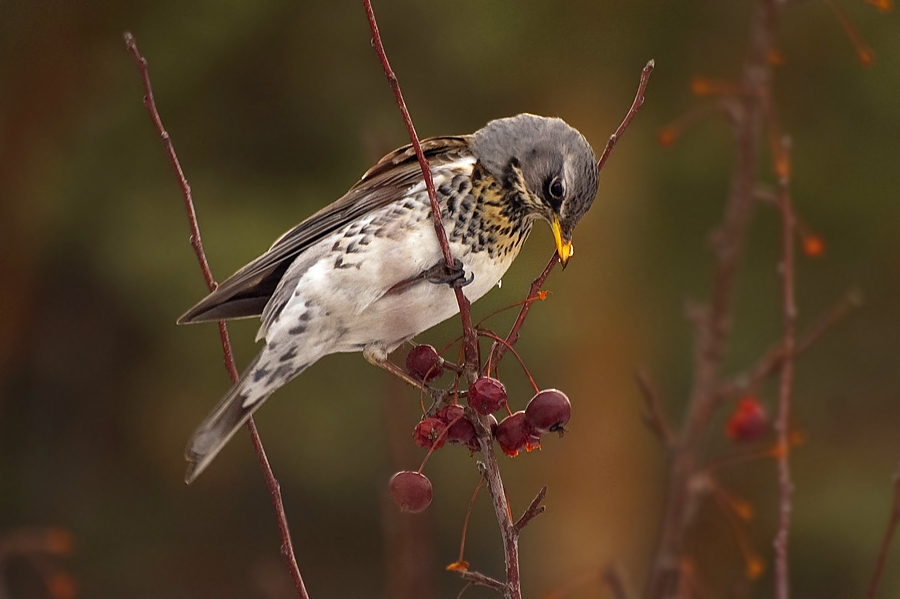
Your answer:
<point x="287" y="550"/>
<point x="655" y="416"/>
<point x="480" y="579"/>
<point x="498" y="350"/>
<point x="470" y="341"/>
<point x="782" y="424"/>
<point x="893" y="521"/>
<point x="635" y="106"/>
<point x="615" y="580"/>
<point x="771" y="361"/>
<point x="534" y="510"/>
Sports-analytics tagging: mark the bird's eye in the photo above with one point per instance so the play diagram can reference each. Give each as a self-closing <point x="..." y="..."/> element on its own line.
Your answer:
<point x="556" y="189"/>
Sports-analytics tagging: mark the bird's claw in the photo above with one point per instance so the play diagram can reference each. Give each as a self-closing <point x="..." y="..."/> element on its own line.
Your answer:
<point x="455" y="275"/>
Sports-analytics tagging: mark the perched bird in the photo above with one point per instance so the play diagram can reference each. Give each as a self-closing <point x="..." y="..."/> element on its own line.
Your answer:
<point x="367" y="274"/>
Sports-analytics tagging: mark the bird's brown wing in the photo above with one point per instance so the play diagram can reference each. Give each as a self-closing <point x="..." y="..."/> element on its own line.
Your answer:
<point x="245" y="293"/>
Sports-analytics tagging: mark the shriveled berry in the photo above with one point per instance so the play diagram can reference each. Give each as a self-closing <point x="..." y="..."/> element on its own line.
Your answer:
<point x="487" y="395"/>
<point x="513" y="434"/>
<point x="459" y="430"/>
<point x="411" y="491"/>
<point x="749" y="422"/>
<point x="548" y="411"/>
<point x="430" y="433"/>
<point x="424" y="363"/>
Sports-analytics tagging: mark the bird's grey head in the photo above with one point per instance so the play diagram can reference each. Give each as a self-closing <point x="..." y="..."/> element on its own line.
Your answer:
<point x="554" y="162"/>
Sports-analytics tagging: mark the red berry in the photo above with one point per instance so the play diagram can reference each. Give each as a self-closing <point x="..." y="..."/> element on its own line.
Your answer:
<point x="514" y="435"/>
<point x="749" y="422"/>
<point x="548" y="411"/>
<point x="424" y="363"/>
<point x="411" y="491"/>
<point x="487" y="395"/>
<point x="460" y="431"/>
<point x="430" y="433"/>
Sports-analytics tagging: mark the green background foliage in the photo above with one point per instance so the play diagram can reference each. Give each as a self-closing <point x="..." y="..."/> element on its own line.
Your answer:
<point x="275" y="109"/>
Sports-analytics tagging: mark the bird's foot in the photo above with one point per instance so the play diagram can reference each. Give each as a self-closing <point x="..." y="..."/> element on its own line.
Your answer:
<point x="455" y="276"/>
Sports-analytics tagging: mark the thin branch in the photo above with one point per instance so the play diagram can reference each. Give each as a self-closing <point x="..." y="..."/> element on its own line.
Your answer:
<point x="498" y="350"/>
<point x="480" y="579"/>
<point x="615" y="580"/>
<point x="635" y="106"/>
<point x="771" y="361"/>
<point x="534" y="510"/>
<point x="655" y="416"/>
<point x="470" y="342"/>
<point x="491" y="473"/>
<point x="782" y="424"/>
<point x="287" y="550"/>
<point x="893" y="521"/>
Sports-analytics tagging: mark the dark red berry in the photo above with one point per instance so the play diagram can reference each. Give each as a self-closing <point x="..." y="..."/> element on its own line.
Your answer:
<point x="411" y="491"/>
<point x="514" y="435"/>
<point x="430" y="433"/>
<point x="749" y="422"/>
<point x="487" y="395"/>
<point x="459" y="430"/>
<point x="424" y="363"/>
<point x="548" y="411"/>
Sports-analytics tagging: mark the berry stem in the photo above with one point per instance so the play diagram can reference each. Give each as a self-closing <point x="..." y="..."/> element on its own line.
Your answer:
<point x="490" y="335"/>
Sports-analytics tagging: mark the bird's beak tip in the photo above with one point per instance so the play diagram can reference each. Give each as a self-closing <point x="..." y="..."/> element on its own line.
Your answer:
<point x="564" y="247"/>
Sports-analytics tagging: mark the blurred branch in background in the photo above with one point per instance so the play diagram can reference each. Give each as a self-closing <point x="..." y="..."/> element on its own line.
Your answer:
<point x="749" y="103"/>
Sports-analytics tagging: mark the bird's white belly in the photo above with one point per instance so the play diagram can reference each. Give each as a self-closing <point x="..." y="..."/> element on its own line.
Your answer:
<point x="394" y="318"/>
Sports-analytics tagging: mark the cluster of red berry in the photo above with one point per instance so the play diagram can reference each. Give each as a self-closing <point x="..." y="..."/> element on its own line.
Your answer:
<point x="547" y="412"/>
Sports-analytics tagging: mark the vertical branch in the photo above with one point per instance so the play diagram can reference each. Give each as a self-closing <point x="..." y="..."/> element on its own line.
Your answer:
<point x="287" y="549"/>
<point x="785" y="487"/>
<point x="470" y="340"/>
<point x="491" y="469"/>
<point x="713" y="321"/>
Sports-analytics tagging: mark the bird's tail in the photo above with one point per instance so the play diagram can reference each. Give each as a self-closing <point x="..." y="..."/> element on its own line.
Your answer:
<point x="232" y="412"/>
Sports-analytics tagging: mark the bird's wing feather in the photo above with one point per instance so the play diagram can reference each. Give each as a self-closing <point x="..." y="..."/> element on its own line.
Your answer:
<point x="246" y="292"/>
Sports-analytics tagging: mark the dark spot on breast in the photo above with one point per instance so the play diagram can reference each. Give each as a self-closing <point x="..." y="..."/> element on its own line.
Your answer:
<point x="297" y="330"/>
<point x="260" y="374"/>
<point x="304" y="317"/>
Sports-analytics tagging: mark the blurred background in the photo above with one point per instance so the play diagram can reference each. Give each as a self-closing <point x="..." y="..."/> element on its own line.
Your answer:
<point x="275" y="109"/>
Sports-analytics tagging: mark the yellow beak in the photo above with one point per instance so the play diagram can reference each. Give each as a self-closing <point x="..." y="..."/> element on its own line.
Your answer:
<point x="563" y="247"/>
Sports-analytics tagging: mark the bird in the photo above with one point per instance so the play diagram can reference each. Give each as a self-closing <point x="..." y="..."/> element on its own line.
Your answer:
<point x="366" y="273"/>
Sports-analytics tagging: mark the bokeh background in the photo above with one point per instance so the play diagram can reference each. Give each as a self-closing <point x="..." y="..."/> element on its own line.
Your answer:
<point x="276" y="107"/>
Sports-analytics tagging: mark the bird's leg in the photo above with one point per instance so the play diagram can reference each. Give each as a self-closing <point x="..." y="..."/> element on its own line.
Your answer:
<point x="439" y="274"/>
<point x="376" y="356"/>
<point x="455" y="275"/>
